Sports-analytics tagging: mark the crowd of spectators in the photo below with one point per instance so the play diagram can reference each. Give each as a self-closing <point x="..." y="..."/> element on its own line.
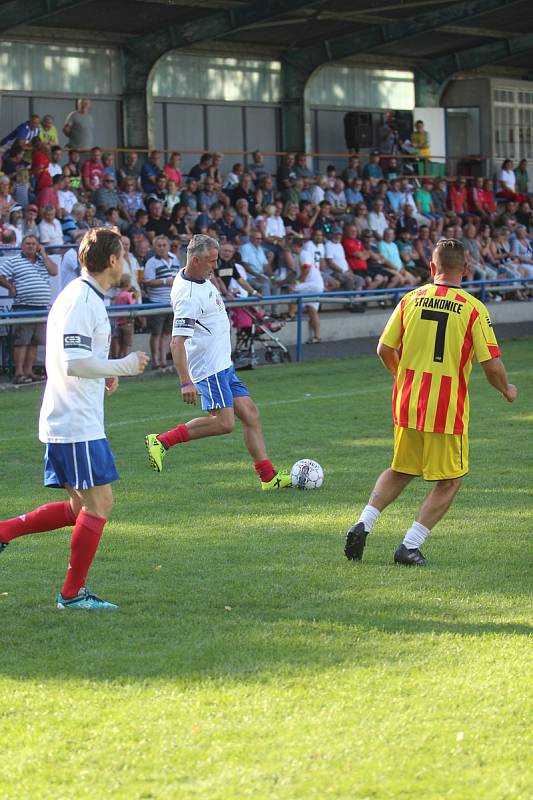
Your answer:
<point x="366" y="226"/>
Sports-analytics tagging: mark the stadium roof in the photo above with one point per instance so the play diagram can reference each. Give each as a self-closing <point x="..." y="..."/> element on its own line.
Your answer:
<point x="440" y="38"/>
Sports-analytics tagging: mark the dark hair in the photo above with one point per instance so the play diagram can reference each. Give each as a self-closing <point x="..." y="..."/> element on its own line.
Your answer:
<point x="140" y="212"/>
<point x="55" y="148"/>
<point x="449" y="254"/>
<point x="57" y="178"/>
<point x="97" y="247"/>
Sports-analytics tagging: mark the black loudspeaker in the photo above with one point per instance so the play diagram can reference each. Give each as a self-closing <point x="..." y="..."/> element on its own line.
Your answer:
<point x="358" y="130"/>
<point x="403" y="122"/>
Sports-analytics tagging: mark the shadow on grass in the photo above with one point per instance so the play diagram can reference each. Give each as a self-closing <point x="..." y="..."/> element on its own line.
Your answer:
<point x="240" y="606"/>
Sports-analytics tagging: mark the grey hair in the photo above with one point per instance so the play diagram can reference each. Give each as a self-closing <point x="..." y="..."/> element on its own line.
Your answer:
<point x="200" y="244"/>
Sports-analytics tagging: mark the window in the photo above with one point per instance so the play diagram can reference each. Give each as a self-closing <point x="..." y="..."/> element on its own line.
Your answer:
<point x="513" y="123"/>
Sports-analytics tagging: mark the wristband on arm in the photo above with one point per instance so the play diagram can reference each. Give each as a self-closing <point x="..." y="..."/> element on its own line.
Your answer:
<point x="187" y="383"/>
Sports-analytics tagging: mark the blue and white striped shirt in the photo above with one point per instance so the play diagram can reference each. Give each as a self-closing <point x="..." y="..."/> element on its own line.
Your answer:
<point x="30" y="279"/>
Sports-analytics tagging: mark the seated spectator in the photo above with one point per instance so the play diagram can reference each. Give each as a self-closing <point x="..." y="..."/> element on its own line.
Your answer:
<point x="524" y="215"/>
<point x="412" y="263"/>
<point x="14" y="224"/>
<point x="106" y="196"/>
<point x="227" y="277"/>
<point x="475" y="197"/>
<point x="256" y="262"/>
<point x="130" y="199"/>
<point x="9" y="238"/>
<point x="338" y="265"/>
<point x="407" y="194"/>
<point x="325" y="219"/>
<point x="286" y="173"/>
<point x="131" y="267"/>
<point x="439" y="197"/>
<point x="372" y="170"/>
<point x="360" y="219"/>
<point x="337" y="198"/>
<point x="394" y="197"/>
<point x="150" y="170"/>
<point x="330" y="176"/>
<point x="318" y="192"/>
<point x="507" y="182"/>
<point x="214" y="169"/>
<point x="178" y="219"/>
<point x="157" y="225"/>
<point x="138" y="227"/>
<point x="73" y="224"/>
<point x="228" y="228"/>
<point x="108" y="160"/>
<point x="358" y="256"/>
<point x="6" y="198"/>
<point x="40" y="161"/>
<point x="200" y="170"/>
<point x="478" y="268"/>
<point x="424" y="247"/>
<point x="424" y="204"/>
<point x="522" y="251"/>
<point x="265" y="194"/>
<point x="508" y="216"/>
<point x="353" y="192"/>
<point x="112" y="219"/>
<point x="90" y="217"/>
<point x="29" y="221"/>
<point x="489" y="201"/>
<point x="245" y="190"/>
<point x="49" y="131"/>
<point x="189" y="196"/>
<point x="66" y="197"/>
<point x="407" y="221"/>
<point x="159" y="192"/>
<point x="172" y="170"/>
<point x="244" y="221"/>
<point x="131" y="168"/>
<point x="74" y="165"/>
<point x="290" y="218"/>
<point x="22" y="192"/>
<point x="368" y="192"/>
<point x="397" y="274"/>
<point x="273" y="228"/>
<point x="54" y="166"/>
<point x="210" y="219"/>
<point x="393" y="168"/>
<point x="24" y="134"/>
<point x="301" y="169"/>
<point x="352" y="171"/>
<point x="48" y="194"/>
<point x="208" y="195"/>
<point x="50" y="232"/>
<point x="233" y="178"/>
<point x="377" y="221"/>
<point x="92" y="171"/>
<point x="172" y="197"/>
<point x="13" y="160"/>
<point x="256" y="167"/>
<point x="306" y="217"/>
<point x="522" y="178"/>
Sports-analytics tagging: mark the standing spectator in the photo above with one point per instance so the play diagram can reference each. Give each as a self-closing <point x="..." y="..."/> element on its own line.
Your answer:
<point x="522" y="178"/>
<point x="388" y="135"/>
<point x="27" y="277"/>
<point x="314" y="252"/>
<point x="40" y="161"/>
<point x="22" y="187"/>
<point x="310" y="281"/>
<point x="79" y="126"/>
<point x="172" y="169"/>
<point x="372" y="170"/>
<point x="24" y="134"/>
<point x="150" y="170"/>
<point x="50" y="231"/>
<point x="56" y="154"/>
<point x="420" y="140"/>
<point x="49" y="131"/>
<point x="92" y="171"/>
<point x="159" y="273"/>
<point x="69" y="268"/>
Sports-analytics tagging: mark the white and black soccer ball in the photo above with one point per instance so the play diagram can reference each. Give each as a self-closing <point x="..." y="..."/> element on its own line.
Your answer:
<point x="307" y="474"/>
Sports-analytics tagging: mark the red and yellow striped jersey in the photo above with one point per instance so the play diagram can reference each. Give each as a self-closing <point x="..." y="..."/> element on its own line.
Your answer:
<point x="438" y="331"/>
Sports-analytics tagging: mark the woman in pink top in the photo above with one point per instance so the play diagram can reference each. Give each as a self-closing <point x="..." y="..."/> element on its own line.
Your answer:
<point x="172" y="169"/>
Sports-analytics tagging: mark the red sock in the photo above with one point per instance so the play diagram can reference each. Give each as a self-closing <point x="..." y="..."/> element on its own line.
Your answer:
<point x="45" y="518"/>
<point x="265" y="470"/>
<point x="83" y="546"/>
<point x="175" y="436"/>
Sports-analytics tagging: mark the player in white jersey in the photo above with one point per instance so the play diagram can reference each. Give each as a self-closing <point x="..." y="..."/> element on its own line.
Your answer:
<point x="201" y="350"/>
<point x="71" y="424"/>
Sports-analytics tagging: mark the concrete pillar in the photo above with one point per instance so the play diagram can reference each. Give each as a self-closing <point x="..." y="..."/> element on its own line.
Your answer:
<point x="137" y="102"/>
<point x="294" y="77"/>
<point x="427" y="91"/>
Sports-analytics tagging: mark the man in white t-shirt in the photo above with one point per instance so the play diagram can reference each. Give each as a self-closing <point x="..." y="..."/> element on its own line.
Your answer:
<point x="71" y="423"/>
<point x="337" y="263"/>
<point x="159" y="274"/>
<point x="201" y="350"/>
<point x="314" y="252"/>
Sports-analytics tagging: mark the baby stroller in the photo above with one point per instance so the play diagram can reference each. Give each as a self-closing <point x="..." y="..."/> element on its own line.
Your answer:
<point x="253" y="326"/>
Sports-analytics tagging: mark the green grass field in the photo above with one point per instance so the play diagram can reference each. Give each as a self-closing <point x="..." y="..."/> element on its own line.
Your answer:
<point x="248" y="658"/>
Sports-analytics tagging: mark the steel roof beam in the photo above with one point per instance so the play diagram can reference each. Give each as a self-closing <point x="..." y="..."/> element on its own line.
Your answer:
<point x="438" y="69"/>
<point x="20" y="12"/>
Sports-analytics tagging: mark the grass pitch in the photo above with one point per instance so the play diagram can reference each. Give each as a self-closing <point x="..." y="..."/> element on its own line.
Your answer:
<point x="248" y="658"/>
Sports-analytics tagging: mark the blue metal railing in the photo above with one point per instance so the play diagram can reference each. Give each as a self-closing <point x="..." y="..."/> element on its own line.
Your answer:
<point x="300" y="300"/>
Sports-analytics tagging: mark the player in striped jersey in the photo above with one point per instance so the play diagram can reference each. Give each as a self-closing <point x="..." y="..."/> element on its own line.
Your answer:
<point x="429" y="345"/>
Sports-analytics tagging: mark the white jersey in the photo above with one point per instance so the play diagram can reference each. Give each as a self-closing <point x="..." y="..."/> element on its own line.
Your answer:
<point x="200" y="315"/>
<point x="78" y="327"/>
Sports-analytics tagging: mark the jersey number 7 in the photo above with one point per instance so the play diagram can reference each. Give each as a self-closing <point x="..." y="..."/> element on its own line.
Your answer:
<point x="441" y="318"/>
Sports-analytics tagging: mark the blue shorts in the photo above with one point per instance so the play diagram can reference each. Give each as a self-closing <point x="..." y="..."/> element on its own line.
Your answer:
<point x="81" y="465"/>
<point x="218" y="390"/>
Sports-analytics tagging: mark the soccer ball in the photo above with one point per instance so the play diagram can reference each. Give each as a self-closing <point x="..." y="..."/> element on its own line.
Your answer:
<point x="307" y="474"/>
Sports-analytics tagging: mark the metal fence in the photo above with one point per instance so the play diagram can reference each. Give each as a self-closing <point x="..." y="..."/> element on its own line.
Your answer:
<point x="481" y="288"/>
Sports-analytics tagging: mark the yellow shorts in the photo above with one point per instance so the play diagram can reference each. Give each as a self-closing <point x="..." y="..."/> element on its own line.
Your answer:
<point x="435" y="456"/>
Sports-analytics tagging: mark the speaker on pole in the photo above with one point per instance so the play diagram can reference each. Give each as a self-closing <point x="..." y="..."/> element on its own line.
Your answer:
<point x="358" y="130"/>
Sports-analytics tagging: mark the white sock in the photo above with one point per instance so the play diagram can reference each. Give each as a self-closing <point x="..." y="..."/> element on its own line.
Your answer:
<point x="369" y="516"/>
<point x="415" y="536"/>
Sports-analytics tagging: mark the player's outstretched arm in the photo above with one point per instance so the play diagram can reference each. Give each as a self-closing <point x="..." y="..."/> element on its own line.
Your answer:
<point x="93" y="367"/>
<point x="497" y="376"/>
